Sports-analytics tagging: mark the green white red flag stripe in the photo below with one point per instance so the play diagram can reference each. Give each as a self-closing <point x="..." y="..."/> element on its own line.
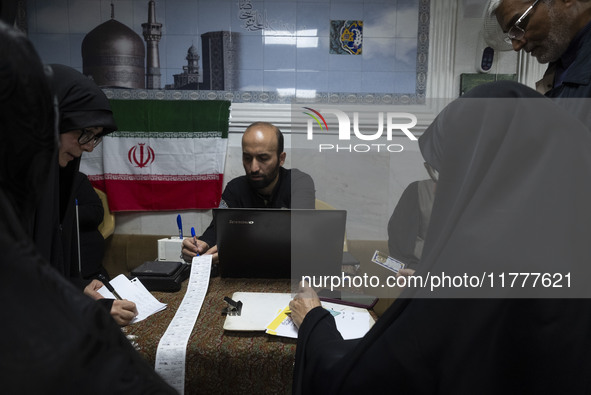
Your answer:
<point x="166" y="155"/>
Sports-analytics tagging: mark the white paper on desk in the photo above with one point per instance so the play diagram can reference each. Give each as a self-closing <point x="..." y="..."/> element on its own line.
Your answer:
<point x="352" y="322"/>
<point x="286" y="327"/>
<point x="134" y="291"/>
<point x="258" y="309"/>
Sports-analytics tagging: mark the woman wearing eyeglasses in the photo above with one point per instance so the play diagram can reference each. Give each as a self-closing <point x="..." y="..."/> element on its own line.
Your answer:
<point x="84" y="117"/>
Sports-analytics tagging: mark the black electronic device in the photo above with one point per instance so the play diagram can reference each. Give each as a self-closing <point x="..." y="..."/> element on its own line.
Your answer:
<point x="486" y="61"/>
<point x="164" y="276"/>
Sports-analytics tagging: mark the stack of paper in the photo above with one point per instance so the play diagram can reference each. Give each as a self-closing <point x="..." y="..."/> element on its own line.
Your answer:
<point x="134" y="291"/>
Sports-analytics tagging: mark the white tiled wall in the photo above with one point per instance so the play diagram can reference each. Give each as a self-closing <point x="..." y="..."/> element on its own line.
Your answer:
<point x="291" y="54"/>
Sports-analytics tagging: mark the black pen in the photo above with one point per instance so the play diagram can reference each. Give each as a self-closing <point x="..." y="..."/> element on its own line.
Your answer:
<point x="109" y="286"/>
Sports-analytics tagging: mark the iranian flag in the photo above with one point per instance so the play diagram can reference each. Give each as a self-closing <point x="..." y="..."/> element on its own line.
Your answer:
<point x="165" y="155"/>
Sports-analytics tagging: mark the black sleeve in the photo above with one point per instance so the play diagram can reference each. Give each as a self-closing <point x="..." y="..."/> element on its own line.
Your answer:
<point x="303" y="193"/>
<point x="209" y="236"/>
<point x="106" y="304"/>
<point x="69" y="342"/>
<point x="320" y="346"/>
<point x="403" y="226"/>
<point x="388" y="357"/>
<point x="230" y="198"/>
<point x="90" y="207"/>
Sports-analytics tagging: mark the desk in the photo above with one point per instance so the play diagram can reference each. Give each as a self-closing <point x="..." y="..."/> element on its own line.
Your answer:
<point x="220" y="362"/>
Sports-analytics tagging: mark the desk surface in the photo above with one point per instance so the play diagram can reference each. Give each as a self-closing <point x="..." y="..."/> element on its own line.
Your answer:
<point x="218" y="361"/>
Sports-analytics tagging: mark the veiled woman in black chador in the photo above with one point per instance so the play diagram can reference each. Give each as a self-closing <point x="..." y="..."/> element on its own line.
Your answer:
<point x="54" y="339"/>
<point x="512" y="196"/>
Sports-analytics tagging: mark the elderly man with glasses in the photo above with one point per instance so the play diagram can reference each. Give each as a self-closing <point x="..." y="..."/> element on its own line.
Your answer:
<point x="557" y="32"/>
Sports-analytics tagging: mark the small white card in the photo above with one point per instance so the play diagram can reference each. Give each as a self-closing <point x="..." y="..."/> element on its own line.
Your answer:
<point x="387" y="261"/>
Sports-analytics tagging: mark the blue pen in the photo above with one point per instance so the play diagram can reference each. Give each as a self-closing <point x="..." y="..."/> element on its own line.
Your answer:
<point x="193" y="234"/>
<point x="179" y="222"/>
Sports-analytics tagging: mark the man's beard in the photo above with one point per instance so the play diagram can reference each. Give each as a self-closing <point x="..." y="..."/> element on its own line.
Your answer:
<point x="265" y="181"/>
<point x="557" y="41"/>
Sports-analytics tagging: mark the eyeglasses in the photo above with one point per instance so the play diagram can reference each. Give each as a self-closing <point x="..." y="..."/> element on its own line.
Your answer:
<point x="87" y="136"/>
<point x="517" y="32"/>
<point x="433" y="173"/>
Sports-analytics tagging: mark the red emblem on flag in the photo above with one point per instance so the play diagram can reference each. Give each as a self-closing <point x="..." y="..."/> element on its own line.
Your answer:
<point x="141" y="156"/>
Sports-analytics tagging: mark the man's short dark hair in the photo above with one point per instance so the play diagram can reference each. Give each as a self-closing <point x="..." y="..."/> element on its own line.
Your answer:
<point x="278" y="133"/>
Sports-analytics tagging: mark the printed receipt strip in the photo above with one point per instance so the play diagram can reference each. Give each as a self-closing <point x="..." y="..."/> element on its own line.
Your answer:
<point x="172" y="348"/>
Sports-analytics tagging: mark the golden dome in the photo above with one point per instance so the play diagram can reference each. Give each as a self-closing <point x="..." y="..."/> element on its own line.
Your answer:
<point x="114" y="55"/>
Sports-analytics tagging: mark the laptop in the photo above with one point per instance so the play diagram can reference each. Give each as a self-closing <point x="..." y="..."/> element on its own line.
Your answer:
<point x="279" y="243"/>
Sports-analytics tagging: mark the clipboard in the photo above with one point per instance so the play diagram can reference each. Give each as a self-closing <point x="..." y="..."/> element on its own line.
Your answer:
<point x="258" y="310"/>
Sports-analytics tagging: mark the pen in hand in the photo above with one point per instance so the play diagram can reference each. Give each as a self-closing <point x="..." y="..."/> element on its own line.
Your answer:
<point x="109" y="286"/>
<point x="193" y="234"/>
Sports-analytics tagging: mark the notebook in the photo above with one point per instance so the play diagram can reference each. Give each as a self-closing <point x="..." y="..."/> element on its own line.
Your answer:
<point x="279" y="243"/>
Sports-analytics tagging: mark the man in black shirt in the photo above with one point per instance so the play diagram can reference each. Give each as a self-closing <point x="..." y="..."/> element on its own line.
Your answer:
<point x="266" y="184"/>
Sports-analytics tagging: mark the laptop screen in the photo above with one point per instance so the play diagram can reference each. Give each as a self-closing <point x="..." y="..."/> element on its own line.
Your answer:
<point x="279" y="243"/>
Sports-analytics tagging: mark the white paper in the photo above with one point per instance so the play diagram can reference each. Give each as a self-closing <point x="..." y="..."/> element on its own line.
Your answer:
<point x="134" y="291"/>
<point x="258" y="308"/>
<point x="172" y="348"/>
<point x="352" y="322"/>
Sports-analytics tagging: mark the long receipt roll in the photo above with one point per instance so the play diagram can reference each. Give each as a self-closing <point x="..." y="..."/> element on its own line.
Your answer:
<point x="172" y="348"/>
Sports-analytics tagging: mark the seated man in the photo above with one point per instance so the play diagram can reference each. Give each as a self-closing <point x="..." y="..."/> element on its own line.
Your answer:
<point x="266" y="184"/>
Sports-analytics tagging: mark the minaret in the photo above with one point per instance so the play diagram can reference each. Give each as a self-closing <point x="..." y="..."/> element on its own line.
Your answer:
<point x="152" y="33"/>
<point x="192" y="61"/>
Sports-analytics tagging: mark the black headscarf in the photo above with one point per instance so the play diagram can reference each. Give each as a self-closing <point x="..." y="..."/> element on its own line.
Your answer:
<point x="54" y="339"/>
<point x="81" y="104"/>
<point x="513" y="196"/>
<point x="511" y="193"/>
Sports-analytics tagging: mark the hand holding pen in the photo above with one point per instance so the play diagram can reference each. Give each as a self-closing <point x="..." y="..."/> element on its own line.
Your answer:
<point x="193" y="247"/>
<point x="107" y="284"/>
<point x="122" y="311"/>
<point x="194" y="239"/>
